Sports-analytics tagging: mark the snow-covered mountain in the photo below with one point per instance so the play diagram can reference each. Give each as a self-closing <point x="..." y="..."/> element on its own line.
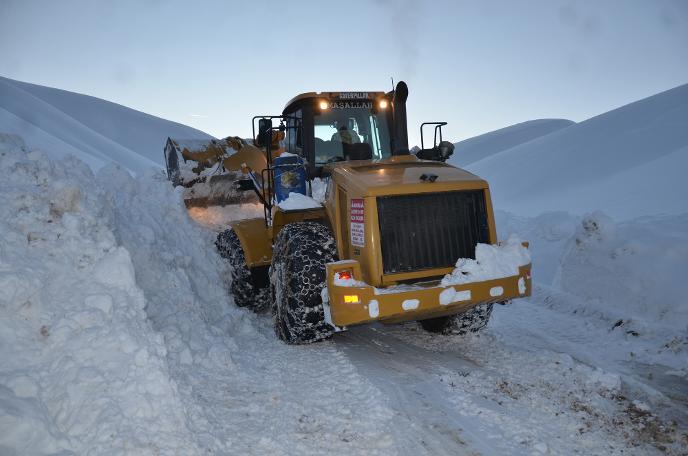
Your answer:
<point x="96" y="131"/>
<point x="628" y="162"/>
<point x="482" y="146"/>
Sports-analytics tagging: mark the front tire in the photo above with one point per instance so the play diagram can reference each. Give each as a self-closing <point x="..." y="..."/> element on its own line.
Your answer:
<point x="297" y="278"/>
<point x="472" y="321"/>
<point x="244" y="286"/>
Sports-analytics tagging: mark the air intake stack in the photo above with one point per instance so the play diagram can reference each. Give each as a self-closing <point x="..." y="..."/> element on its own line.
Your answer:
<point x="400" y="141"/>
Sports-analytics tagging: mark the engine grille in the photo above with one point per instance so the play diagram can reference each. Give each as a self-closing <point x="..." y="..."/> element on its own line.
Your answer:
<point x="430" y="230"/>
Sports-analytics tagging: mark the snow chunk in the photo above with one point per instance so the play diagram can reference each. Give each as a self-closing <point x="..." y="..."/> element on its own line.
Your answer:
<point x="116" y="270"/>
<point x="450" y="295"/>
<point x="446" y="296"/>
<point x="319" y="189"/>
<point x="103" y="302"/>
<point x="496" y="291"/>
<point x="642" y="406"/>
<point x="296" y="201"/>
<point x="410" y="304"/>
<point x="598" y="226"/>
<point x="373" y="309"/>
<point x="65" y="200"/>
<point x="605" y="380"/>
<point x="491" y="262"/>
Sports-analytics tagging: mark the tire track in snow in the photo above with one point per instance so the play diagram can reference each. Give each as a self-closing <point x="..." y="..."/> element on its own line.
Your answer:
<point x="279" y="399"/>
<point x="424" y="422"/>
<point x="521" y="397"/>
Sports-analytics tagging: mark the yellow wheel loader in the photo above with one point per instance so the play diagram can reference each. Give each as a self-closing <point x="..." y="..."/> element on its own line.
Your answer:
<point x="356" y="229"/>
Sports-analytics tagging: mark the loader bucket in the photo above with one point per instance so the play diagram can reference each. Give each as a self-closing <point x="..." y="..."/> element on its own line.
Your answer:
<point x="218" y="190"/>
<point x="210" y="170"/>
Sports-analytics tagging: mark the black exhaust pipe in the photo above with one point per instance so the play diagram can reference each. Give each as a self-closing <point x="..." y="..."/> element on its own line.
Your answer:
<point x="400" y="135"/>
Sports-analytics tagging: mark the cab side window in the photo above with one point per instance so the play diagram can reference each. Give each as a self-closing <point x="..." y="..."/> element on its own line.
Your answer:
<point x="294" y="141"/>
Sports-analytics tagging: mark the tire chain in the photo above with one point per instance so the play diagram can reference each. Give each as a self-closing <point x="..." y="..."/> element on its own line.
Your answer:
<point x="471" y="321"/>
<point x="242" y="288"/>
<point x="297" y="277"/>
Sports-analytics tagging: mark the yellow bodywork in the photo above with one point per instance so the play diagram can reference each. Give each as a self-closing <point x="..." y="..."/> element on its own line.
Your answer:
<point x="234" y="153"/>
<point x="256" y="237"/>
<point x="362" y="304"/>
<point x="368" y="180"/>
<point x="399" y="175"/>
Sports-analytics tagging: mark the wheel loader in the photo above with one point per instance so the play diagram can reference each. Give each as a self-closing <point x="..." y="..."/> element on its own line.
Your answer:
<point x="385" y="241"/>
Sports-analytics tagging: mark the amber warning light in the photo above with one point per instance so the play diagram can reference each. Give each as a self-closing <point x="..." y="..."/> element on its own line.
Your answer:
<point x="344" y="275"/>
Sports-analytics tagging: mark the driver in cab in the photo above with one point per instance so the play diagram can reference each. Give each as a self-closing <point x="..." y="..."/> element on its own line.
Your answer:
<point x="346" y="136"/>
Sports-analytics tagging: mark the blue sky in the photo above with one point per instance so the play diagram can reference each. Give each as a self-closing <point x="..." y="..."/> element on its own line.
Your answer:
<point x="480" y="65"/>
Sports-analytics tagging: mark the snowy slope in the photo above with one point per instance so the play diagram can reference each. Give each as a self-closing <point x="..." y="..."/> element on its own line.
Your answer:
<point x="96" y="131"/>
<point x="485" y="145"/>
<point x="628" y="162"/>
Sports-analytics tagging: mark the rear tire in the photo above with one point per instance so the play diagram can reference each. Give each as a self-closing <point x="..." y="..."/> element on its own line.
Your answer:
<point x="244" y="288"/>
<point x="297" y="278"/>
<point x="471" y="321"/>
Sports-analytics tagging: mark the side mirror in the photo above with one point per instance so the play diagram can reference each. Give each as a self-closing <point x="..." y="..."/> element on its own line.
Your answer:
<point x="264" y="132"/>
<point x="446" y="150"/>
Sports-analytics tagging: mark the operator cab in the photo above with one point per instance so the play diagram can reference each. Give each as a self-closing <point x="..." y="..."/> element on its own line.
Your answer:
<point x="339" y="126"/>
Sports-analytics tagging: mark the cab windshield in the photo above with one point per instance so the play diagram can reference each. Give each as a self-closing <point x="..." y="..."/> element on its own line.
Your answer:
<point x="350" y="131"/>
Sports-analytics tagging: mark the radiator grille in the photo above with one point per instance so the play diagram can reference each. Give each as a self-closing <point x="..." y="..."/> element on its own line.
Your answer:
<point x="430" y="230"/>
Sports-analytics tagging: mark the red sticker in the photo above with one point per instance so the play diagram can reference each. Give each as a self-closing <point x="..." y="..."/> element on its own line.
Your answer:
<point x="357" y="230"/>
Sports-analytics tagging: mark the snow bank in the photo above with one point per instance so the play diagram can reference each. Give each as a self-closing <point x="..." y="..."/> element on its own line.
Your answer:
<point x="81" y="369"/>
<point x="631" y="273"/>
<point x="624" y="276"/>
<point x="491" y="262"/>
<point x="118" y="335"/>
<point x="176" y="264"/>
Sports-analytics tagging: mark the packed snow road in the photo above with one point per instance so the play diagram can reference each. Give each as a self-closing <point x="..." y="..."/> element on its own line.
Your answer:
<point x="398" y="390"/>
